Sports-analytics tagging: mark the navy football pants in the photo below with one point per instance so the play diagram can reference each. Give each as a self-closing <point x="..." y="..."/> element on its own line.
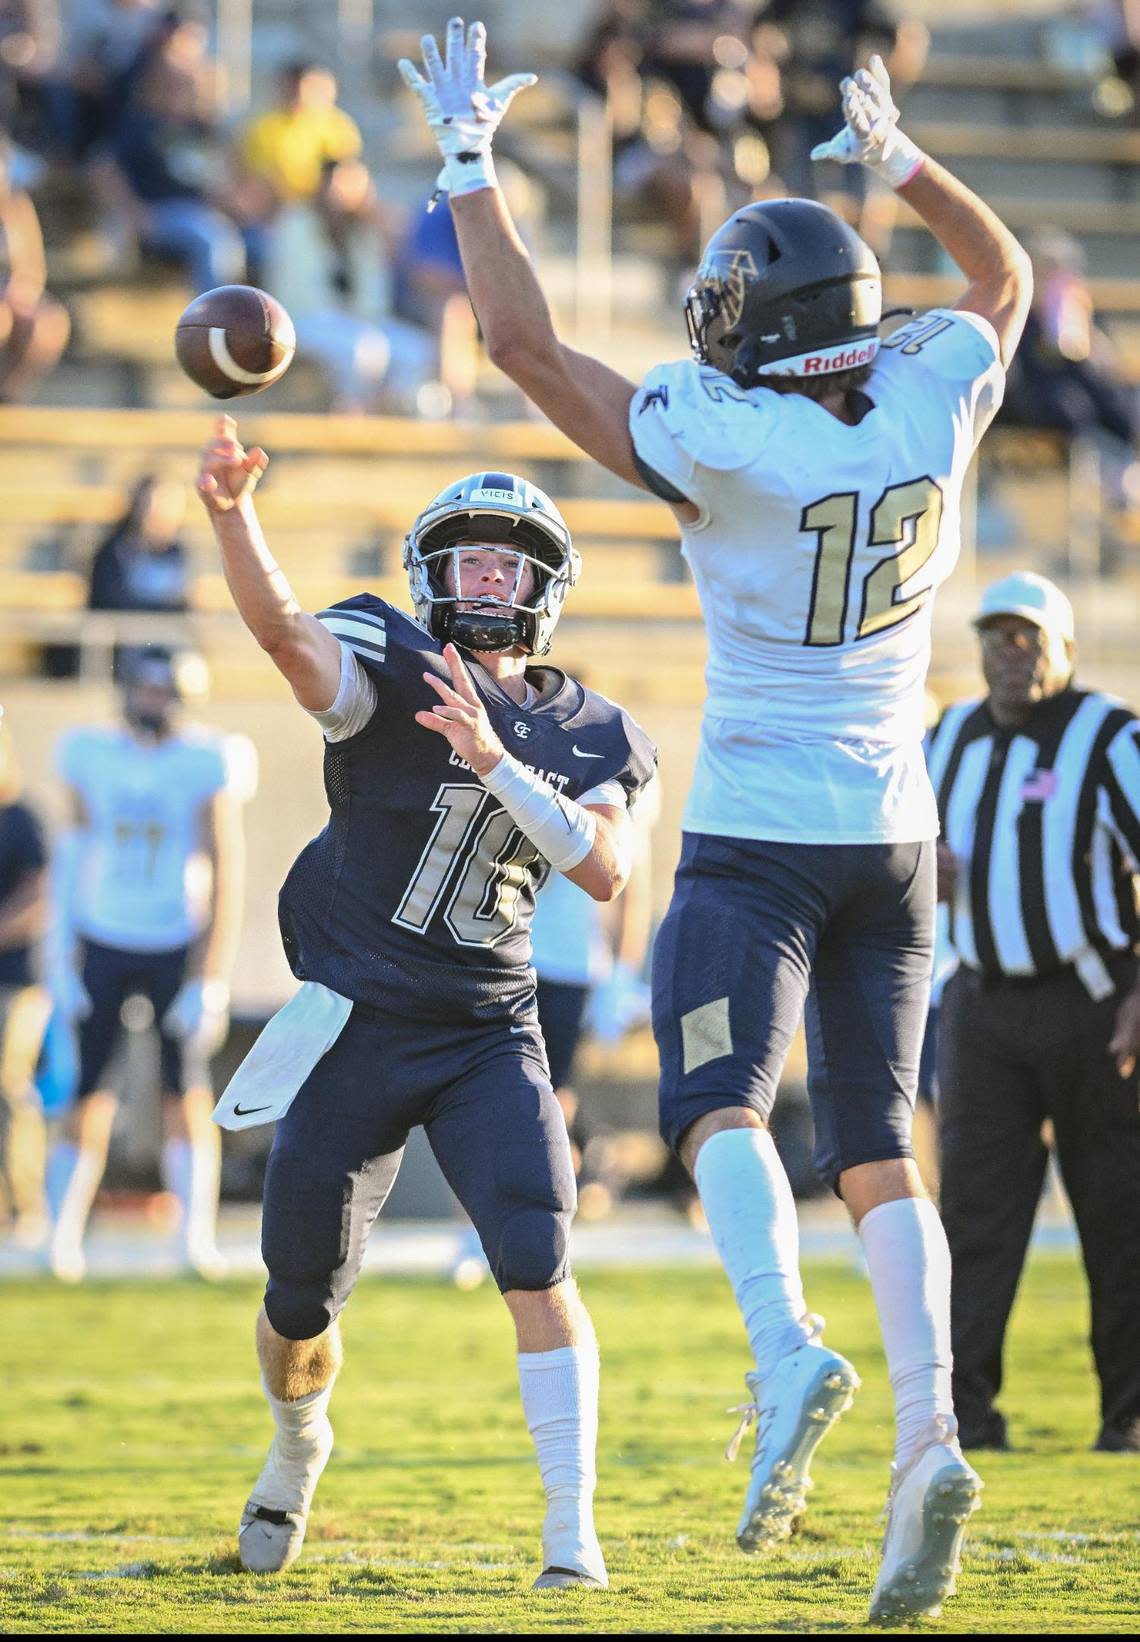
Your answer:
<point x="483" y="1096"/>
<point x="758" y="934"/>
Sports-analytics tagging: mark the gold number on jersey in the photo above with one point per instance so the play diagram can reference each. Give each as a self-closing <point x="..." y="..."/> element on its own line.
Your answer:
<point x="907" y="517"/>
<point x="833" y="520"/>
<point x="907" y="514"/>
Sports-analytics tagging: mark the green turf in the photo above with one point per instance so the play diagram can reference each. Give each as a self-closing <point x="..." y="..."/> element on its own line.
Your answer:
<point x="132" y="1426"/>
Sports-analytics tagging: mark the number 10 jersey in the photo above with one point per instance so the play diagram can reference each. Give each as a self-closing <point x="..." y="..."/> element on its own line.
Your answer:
<point x="417" y="896"/>
<point x="816" y="553"/>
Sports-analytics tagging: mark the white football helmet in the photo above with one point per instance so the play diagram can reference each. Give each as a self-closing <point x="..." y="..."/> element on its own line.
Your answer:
<point x="492" y="508"/>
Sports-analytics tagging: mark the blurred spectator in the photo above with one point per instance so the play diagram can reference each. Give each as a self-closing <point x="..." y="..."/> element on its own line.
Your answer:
<point x="1116" y="24"/>
<point x="289" y="147"/>
<point x="817" y="43"/>
<point x="34" y="328"/>
<point x="30" y="36"/>
<point x="329" y="261"/>
<point x="1067" y="374"/>
<point x="141" y="564"/>
<point x="101" y="48"/>
<point x="23" y="1003"/>
<point x="431" y="292"/>
<point x="168" y="176"/>
<point x="664" y="163"/>
<point x="146" y="903"/>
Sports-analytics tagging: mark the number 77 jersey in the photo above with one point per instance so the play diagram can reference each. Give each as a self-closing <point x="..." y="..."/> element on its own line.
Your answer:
<point x="817" y="551"/>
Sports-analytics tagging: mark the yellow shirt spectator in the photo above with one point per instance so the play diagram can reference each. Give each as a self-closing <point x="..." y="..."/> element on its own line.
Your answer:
<point x="290" y="144"/>
<point x="289" y="147"/>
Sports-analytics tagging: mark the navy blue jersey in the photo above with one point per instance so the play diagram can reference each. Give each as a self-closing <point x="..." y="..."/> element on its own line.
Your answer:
<point x="419" y="892"/>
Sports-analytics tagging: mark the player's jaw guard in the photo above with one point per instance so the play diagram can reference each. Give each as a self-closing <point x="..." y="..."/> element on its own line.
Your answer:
<point x="785" y="288"/>
<point x="495" y="509"/>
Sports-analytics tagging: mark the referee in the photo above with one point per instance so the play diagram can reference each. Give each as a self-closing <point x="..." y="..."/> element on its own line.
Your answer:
<point x="1039" y="796"/>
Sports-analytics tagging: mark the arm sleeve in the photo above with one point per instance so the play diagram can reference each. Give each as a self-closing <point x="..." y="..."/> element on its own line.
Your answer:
<point x="356" y="700"/>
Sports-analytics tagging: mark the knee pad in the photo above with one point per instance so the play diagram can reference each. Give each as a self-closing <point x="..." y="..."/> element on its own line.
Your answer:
<point x="532" y="1250"/>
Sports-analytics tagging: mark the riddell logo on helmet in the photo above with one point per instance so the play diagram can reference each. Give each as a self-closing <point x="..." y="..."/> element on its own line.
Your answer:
<point x="846" y="359"/>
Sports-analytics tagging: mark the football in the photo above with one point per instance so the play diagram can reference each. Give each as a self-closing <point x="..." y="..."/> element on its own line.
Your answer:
<point x="234" y="340"/>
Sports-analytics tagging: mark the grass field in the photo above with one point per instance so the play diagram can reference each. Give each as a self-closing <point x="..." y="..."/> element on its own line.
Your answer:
<point x="133" y="1425"/>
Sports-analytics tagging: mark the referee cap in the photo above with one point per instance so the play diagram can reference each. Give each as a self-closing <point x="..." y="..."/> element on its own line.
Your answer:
<point x="1033" y="598"/>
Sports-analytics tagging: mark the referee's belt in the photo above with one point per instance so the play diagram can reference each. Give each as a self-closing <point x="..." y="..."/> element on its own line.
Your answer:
<point x="1089" y="966"/>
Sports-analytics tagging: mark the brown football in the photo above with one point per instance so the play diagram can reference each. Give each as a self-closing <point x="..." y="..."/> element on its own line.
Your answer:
<point x="234" y="340"/>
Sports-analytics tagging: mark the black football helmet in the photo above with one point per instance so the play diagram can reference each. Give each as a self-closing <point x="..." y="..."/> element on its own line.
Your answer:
<point x="785" y="288"/>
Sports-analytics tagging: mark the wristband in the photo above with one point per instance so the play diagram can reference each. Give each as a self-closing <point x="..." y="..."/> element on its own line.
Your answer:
<point x="900" y="160"/>
<point x="560" y="829"/>
<point x="466" y="173"/>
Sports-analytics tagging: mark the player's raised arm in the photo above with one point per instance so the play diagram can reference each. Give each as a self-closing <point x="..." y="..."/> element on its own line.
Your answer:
<point x="583" y="397"/>
<point x="992" y="259"/>
<point x="301" y="649"/>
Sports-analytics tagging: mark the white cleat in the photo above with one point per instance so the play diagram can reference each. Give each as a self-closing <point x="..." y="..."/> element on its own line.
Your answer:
<point x="794" y="1408"/>
<point x="67" y="1261"/>
<point x="930" y="1503"/>
<point x="206" y="1261"/>
<point x="270" y="1537"/>
<point x="571" y="1556"/>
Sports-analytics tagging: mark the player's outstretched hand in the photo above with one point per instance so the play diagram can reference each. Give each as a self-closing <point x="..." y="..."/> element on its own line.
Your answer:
<point x="870" y="135"/>
<point x="228" y="473"/>
<point x="461" y="717"/>
<point x="461" y="109"/>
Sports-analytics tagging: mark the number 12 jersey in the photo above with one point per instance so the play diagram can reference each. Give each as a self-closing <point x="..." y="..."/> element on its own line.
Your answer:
<point x="816" y="554"/>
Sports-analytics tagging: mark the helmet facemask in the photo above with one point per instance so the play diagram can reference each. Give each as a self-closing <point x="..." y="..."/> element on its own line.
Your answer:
<point x="505" y="515"/>
<point x="489" y="621"/>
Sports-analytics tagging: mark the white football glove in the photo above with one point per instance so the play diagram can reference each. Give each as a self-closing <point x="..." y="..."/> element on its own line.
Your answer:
<point x="462" y="111"/>
<point x="199" y="1015"/>
<point x="70" y="998"/>
<point x="870" y="135"/>
<point x="618" y="1005"/>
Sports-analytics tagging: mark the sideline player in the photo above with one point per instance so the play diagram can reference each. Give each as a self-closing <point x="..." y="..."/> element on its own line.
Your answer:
<point x="817" y="477"/>
<point x="456" y="780"/>
<point x="147" y="890"/>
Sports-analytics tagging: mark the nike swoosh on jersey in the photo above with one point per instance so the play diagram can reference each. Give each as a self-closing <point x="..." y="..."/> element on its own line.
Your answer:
<point x="578" y="753"/>
<point x="517" y="1029"/>
<point x="248" y="1111"/>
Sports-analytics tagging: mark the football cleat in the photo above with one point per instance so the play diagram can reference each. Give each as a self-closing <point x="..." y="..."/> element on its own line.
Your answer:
<point x="564" y="1579"/>
<point x="270" y="1537"/>
<point x="571" y="1556"/>
<point x="931" y="1500"/>
<point x="794" y="1408"/>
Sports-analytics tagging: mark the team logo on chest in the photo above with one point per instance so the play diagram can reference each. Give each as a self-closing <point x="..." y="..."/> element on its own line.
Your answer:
<point x="521" y="728"/>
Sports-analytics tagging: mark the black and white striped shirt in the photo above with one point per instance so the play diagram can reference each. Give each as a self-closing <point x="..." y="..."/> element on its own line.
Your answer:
<point x="1044" y="821"/>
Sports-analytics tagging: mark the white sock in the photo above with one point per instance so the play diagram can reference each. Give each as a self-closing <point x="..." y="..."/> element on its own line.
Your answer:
<point x="191" y="1171"/>
<point x="297" y="1455"/>
<point x="73" y="1178"/>
<point x="58" y="1170"/>
<point x="752" y="1216"/>
<point x="909" y="1264"/>
<point x="560" y="1402"/>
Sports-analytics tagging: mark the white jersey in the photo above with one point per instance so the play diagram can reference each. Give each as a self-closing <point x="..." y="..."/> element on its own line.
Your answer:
<point x="144" y="879"/>
<point x="816" y="554"/>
